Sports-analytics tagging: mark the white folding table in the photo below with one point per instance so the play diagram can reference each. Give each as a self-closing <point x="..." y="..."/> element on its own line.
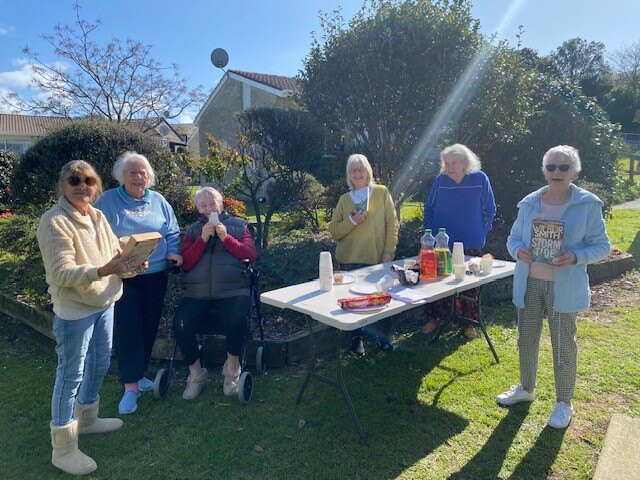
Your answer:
<point x="323" y="306"/>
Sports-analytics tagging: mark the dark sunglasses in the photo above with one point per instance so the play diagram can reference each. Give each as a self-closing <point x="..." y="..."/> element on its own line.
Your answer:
<point x="551" y="167"/>
<point x="74" y="181"/>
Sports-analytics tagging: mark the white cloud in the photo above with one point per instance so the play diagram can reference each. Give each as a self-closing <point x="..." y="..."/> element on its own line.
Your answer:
<point x="185" y="117"/>
<point x="4" y="107"/>
<point x="5" y="30"/>
<point x="17" y="78"/>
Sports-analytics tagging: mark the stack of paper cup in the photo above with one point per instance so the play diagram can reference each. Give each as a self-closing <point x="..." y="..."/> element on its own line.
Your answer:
<point x="325" y="272"/>
<point x="458" y="253"/>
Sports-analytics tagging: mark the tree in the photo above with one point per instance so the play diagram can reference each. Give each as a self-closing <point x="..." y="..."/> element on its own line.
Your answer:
<point x="584" y="63"/>
<point x="119" y="80"/>
<point x="276" y="149"/>
<point x="404" y="77"/>
<point x="625" y="109"/>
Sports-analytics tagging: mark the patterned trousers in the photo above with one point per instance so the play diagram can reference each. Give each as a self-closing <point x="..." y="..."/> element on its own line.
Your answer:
<point x="538" y="302"/>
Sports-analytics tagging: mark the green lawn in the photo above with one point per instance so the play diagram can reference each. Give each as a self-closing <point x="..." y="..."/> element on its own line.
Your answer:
<point x="428" y="410"/>
<point x="623" y="170"/>
<point x="624" y="230"/>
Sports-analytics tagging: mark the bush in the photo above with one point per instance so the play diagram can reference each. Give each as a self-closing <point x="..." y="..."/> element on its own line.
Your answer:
<point x="18" y="233"/>
<point x="235" y="207"/>
<point x="34" y="179"/>
<point x="7" y="163"/>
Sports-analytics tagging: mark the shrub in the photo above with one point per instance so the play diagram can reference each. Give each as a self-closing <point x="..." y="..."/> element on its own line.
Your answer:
<point x="7" y="163"/>
<point x="34" y="179"/>
<point x="235" y="207"/>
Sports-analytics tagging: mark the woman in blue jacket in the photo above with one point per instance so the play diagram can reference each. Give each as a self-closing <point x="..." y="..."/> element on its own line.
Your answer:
<point x="558" y="290"/>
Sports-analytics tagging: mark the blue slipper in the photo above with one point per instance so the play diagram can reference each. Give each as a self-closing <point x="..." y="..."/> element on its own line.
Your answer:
<point x="129" y="402"/>
<point x="144" y="385"/>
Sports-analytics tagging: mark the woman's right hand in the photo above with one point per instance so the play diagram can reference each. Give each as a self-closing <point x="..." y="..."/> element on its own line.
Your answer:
<point x="359" y="217"/>
<point x="207" y="231"/>
<point x="525" y="255"/>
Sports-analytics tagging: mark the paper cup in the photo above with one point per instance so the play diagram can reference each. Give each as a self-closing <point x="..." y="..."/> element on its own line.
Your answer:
<point x="487" y="265"/>
<point x="459" y="271"/>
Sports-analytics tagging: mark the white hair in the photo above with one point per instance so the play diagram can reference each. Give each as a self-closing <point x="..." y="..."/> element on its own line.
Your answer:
<point x="358" y="158"/>
<point x="470" y="160"/>
<point x="565" y="152"/>
<point x="118" y="169"/>
<point x="209" y="191"/>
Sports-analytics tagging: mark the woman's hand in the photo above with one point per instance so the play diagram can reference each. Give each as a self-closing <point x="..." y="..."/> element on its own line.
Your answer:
<point x="386" y="257"/>
<point x="359" y="217"/>
<point x="221" y="230"/>
<point x="207" y="231"/>
<point x="118" y="265"/>
<point x="141" y="268"/>
<point x="524" y="255"/>
<point x="175" y="259"/>
<point x="565" y="260"/>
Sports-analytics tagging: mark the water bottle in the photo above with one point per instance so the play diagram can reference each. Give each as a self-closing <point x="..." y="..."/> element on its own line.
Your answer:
<point x="427" y="257"/>
<point x="443" y="253"/>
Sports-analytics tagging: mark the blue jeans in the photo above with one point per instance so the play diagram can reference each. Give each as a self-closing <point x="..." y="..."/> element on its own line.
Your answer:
<point x="84" y="353"/>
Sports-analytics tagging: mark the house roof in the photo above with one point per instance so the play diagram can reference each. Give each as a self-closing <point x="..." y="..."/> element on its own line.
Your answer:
<point x="187" y="129"/>
<point x="274" y="81"/>
<point x="159" y="125"/>
<point x="29" y="124"/>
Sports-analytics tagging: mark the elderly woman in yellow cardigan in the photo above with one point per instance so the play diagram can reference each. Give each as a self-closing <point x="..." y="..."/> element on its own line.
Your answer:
<point x="365" y="227"/>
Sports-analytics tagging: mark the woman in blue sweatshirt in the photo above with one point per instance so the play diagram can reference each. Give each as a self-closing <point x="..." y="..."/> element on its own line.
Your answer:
<point x="134" y="208"/>
<point x="460" y="200"/>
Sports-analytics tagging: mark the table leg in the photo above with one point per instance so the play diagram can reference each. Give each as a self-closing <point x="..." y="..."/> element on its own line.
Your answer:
<point x="340" y="384"/>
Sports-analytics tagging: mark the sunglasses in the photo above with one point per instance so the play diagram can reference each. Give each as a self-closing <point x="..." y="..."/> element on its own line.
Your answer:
<point x="551" y="167"/>
<point x="74" y="181"/>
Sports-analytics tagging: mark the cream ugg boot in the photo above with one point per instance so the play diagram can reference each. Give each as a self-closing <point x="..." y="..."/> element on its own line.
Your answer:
<point x="88" y="421"/>
<point x="66" y="455"/>
<point x="230" y="384"/>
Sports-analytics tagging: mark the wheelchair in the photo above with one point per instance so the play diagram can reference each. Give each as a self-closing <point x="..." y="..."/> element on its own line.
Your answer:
<point x="245" y="383"/>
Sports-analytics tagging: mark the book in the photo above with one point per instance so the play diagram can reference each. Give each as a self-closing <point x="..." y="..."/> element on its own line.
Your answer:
<point x="546" y="240"/>
<point x="141" y="245"/>
<point x="361" y="199"/>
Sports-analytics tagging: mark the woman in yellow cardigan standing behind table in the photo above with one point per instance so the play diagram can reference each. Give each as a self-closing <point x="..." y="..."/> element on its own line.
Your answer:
<point x="365" y="227"/>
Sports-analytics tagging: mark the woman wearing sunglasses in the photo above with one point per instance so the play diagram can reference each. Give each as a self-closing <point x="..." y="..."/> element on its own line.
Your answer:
<point x="558" y="290"/>
<point x="82" y="262"/>
<point x="135" y="208"/>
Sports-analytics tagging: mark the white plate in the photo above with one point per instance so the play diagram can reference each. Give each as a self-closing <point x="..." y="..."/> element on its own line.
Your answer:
<point x="364" y="288"/>
<point x="348" y="278"/>
<point x="367" y="309"/>
<point x="499" y="263"/>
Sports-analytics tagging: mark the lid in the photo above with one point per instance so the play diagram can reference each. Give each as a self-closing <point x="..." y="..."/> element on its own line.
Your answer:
<point x="427" y="230"/>
<point x="441" y="229"/>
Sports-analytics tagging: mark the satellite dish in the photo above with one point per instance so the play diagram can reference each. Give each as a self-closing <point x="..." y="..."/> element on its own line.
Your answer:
<point x="166" y="114"/>
<point x="219" y="58"/>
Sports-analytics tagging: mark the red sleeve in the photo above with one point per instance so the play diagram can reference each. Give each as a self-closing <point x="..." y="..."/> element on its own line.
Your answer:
<point x="244" y="248"/>
<point x="192" y="252"/>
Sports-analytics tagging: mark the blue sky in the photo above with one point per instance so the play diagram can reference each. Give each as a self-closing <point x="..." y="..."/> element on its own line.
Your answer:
<point x="272" y="36"/>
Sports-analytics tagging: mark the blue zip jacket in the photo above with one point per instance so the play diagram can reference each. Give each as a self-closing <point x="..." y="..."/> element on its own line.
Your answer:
<point x="152" y="213"/>
<point x="466" y="210"/>
<point x="584" y="234"/>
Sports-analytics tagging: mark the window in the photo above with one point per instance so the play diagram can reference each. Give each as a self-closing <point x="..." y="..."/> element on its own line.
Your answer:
<point x="15" y="146"/>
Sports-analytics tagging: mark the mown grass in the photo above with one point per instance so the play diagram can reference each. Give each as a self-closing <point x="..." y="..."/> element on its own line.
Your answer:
<point x="428" y="411"/>
<point x="623" y="228"/>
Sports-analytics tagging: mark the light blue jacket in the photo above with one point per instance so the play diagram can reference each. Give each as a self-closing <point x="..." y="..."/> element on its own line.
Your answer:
<point x="151" y="213"/>
<point x="584" y="234"/>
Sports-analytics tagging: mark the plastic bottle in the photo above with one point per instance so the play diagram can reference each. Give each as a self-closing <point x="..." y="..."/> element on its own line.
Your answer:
<point x="427" y="257"/>
<point x="443" y="253"/>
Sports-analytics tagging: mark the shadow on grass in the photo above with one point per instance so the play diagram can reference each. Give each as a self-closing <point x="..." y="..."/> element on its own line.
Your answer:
<point x="538" y="460"/>
<point x="634" y="249"/>
<point x="487" y="463"/>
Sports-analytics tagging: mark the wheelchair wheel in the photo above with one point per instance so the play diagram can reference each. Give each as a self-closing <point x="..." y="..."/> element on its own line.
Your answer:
<point x="261" y="360"/>
<point x="245" y="387"/>
<point x="161" y="383"/>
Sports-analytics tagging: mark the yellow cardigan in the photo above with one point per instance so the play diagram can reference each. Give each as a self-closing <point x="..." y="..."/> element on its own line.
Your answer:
<point x="366" y="242"/>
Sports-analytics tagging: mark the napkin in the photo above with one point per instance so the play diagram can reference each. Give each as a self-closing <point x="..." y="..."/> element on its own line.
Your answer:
<point x="407" y="295"/>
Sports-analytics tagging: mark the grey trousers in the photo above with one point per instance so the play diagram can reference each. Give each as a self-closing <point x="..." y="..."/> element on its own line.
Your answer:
<point x="538" y="303"/>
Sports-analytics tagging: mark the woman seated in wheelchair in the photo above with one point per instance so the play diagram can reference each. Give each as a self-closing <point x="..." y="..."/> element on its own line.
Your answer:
<point x="214" y="249"/>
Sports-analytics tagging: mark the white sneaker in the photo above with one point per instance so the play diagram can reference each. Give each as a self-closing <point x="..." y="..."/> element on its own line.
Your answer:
<point x="561" y="416"/>
<point x="515" y="395"/>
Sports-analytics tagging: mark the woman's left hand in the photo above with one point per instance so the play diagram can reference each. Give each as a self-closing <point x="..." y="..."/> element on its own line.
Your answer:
<point x="175" y="259"/>
<point x="386" y="257"/>
<point x="141" y="268"/>
<point x="565" y="260"/>
<point x="221" y="230"/>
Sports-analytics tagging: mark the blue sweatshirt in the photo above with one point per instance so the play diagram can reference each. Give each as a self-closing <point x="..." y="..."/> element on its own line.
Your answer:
<point x="152" y="213"/>
<point x="466" y="210"/>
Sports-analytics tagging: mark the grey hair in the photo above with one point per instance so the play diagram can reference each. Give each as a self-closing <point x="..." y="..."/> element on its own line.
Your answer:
<point x="566" y="152"/>
<point x="470" y="160"/>
<point x="209" y="191"/>
<point x="361" y="160"/>
<point x="118" y="169"/>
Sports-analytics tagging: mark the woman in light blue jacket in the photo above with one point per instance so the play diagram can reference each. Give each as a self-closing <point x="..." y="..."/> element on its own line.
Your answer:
<point x="558" y="289"/>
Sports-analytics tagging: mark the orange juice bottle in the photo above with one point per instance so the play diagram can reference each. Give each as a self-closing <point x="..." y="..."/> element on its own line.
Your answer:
<point x="427" y="257"/>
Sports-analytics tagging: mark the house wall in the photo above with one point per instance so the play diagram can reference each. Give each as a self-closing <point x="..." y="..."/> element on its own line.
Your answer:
<point x="219" y="119"/>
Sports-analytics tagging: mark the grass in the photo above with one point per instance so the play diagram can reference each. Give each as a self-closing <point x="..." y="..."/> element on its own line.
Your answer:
<point x="623" y="169"/>
<point x="624" y="231"/>
<point x="428" y="411"/>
